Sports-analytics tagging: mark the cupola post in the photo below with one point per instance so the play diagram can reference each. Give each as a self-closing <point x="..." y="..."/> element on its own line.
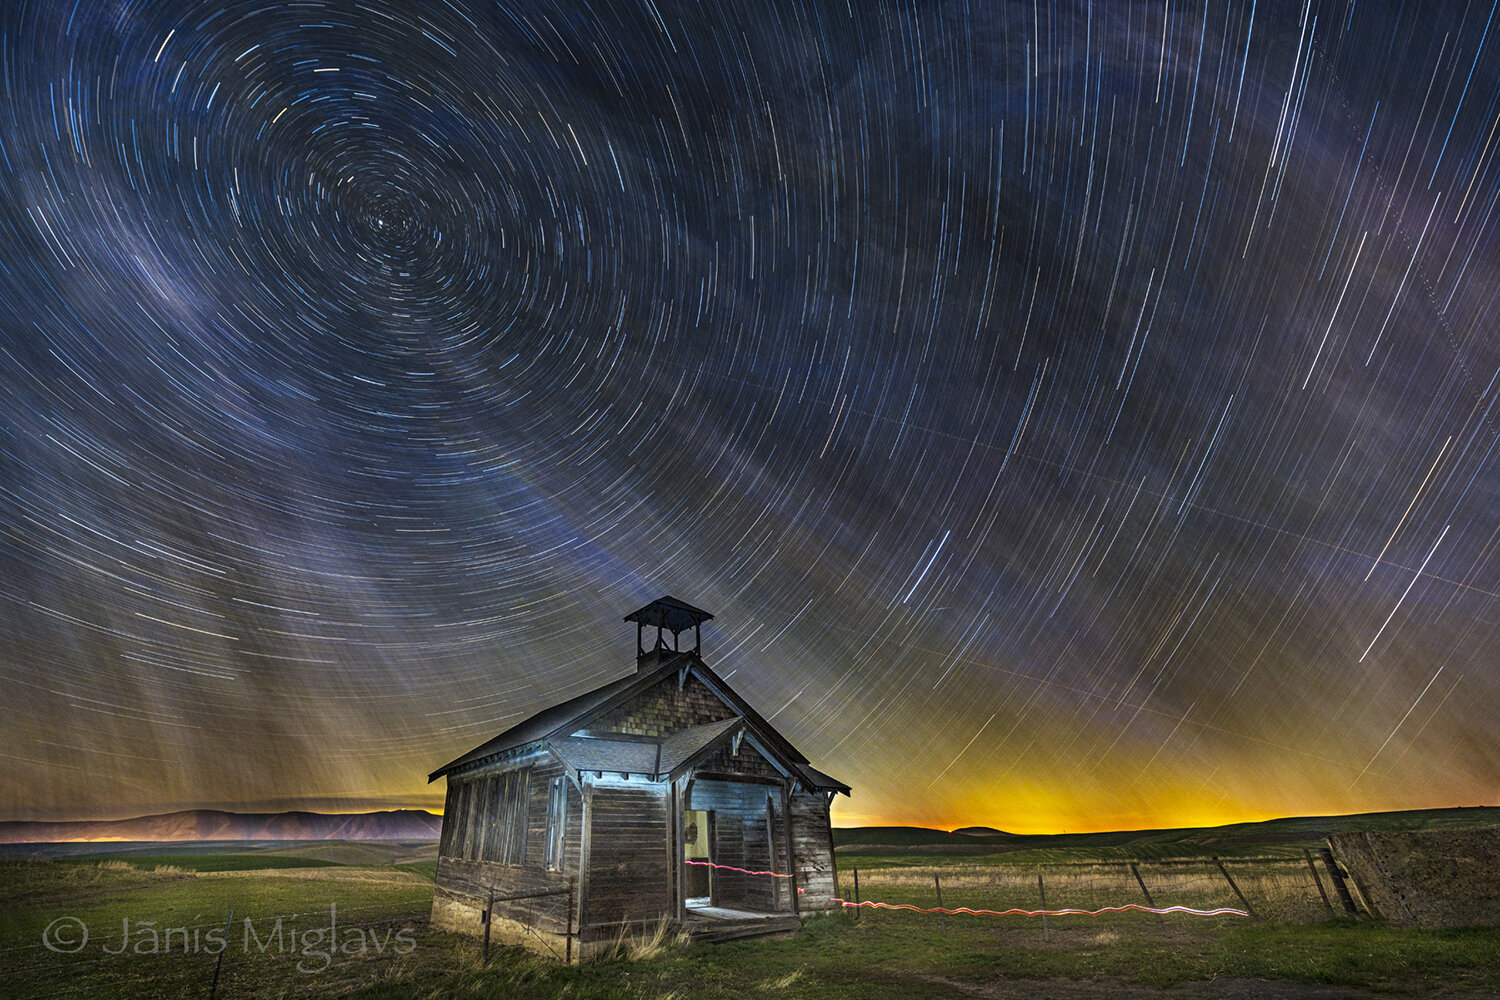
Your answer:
<point x="666" y="614"/>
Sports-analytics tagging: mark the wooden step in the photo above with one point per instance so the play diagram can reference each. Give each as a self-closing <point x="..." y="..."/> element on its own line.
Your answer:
<point x="713" y="931"/>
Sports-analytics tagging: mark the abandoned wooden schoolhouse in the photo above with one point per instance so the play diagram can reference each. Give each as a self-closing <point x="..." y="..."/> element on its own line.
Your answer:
<point x="660" y="798"/>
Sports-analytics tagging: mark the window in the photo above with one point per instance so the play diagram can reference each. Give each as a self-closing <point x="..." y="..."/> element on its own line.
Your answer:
<point x="557" y="807"/>
<point x="516" y="799"/>
<point x="506" y="807"/>
<point x="472" y="803"/>
<point x="482" y="811"/>
<point x="486" y="818"/>
<point x="460" y="839"/>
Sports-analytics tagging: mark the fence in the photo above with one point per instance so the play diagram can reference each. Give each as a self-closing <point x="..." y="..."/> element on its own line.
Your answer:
<point x="1280" y="889"/>
<point x="525" y="918"/>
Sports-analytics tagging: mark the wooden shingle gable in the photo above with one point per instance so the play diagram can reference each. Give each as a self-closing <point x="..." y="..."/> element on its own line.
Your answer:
<point x="743" y="755"/>
<point x="675" y="699"/>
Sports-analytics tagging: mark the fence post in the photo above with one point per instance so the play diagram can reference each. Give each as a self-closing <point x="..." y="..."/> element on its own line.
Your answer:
<point x="1042" y="891"/>
<point x="1316" y="880"/>
<point x="568" y="937"/>
<point x="943" y="917"/>
<point x="1337" y="877"/>
<point x="1225" y="872"/>
<point x="489" y="912"/>
<point x="856" y="894"/>
<point x="1145" y="892"/>
<point x="219" y="964"/>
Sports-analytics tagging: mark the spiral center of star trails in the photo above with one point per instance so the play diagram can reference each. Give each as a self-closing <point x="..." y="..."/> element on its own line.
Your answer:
<point x="1075" y="417"/>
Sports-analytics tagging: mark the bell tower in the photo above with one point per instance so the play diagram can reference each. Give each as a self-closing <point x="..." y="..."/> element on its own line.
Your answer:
<point x="666" y="614"/>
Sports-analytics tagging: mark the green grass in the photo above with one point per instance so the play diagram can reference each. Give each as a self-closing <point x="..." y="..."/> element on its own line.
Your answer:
<point x="426" y="869"/>
<point x="209" y="862"/>
<point x="361" y="852"/>
<point x="910" y="955"/>
<point x="104" y="896"/>
<point x="913" y="957"/>
<point x="1371" y="956"/>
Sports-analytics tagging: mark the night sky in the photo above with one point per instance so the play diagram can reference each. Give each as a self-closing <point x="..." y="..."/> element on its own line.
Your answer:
<point x="1076" y="416"/>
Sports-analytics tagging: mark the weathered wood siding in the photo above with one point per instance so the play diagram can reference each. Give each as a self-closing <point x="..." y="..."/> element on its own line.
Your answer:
<point x="629" y="877"/>
<point x="812" y="842"/>
<point x="743" y="839"/>
<point x="466" y="882"/>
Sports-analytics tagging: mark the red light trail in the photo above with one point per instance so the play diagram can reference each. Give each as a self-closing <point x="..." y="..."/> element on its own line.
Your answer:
<point x="732" y="868"/>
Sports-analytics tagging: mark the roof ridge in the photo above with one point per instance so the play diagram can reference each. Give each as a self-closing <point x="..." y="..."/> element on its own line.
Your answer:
<point x="558" y="722"/>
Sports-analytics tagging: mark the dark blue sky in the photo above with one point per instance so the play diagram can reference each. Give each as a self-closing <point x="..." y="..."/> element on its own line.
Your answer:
<point x="1075" y="415"/>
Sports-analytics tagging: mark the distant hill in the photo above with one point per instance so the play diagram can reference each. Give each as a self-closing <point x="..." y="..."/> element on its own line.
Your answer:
<point x="1274" y="836"/>
<point x="214" y="824"/>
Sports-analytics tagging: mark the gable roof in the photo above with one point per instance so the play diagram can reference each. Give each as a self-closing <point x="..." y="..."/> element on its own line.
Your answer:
<point x="628" y="756"/>
<point x="658" y="758"/>
<point x="686" y="744"/>
<point x="653" y="758"/>
<point x="557" y="721"/>
<point x="817" y="779"/>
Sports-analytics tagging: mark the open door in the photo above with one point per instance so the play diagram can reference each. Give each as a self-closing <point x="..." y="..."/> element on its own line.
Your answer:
<point x="697" y="852"/>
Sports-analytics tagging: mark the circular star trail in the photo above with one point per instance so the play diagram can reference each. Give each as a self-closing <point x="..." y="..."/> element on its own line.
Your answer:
<point x="1075" y="415"/>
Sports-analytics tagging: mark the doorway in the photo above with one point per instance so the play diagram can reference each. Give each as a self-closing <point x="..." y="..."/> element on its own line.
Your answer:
<point x="697" y="853"/>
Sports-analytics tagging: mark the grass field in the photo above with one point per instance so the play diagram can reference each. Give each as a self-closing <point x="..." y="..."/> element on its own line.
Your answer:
<point x="330" y="920"/>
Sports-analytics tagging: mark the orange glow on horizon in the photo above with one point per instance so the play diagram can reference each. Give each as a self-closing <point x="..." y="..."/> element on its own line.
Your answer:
<point x="1081" y="819"/>
<point x="1096" y="822"/>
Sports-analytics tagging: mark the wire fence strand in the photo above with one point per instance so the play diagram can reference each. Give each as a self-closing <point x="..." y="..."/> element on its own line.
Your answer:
<point x="1276" y="889"/>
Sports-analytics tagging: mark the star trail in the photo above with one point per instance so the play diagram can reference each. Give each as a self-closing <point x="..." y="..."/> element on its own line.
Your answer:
<point x="1077" y="416"/>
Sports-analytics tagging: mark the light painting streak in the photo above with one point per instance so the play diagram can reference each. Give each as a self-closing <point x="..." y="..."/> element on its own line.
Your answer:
<point x="1124" y="908"/>
<point x="731" y="868"/>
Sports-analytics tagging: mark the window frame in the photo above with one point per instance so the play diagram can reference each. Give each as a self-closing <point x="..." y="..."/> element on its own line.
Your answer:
<point x="557" y="817"/>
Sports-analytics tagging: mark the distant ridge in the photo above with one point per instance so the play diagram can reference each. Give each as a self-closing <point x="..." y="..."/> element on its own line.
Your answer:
<point x="1288" y="834"/>
<point x="215" y="824"/>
